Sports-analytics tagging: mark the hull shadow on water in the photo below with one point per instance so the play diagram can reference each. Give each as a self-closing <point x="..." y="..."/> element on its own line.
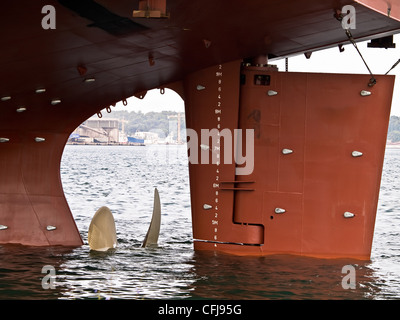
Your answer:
<point x="175" y="272"/>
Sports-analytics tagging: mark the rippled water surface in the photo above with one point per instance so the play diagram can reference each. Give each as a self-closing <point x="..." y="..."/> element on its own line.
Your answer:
<point x="123" y="178"/>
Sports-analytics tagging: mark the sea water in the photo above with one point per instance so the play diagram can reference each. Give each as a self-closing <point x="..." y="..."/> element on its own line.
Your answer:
<point x="123" y="178"/>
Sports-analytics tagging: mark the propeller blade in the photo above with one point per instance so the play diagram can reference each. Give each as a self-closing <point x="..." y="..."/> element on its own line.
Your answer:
<point x="102" y="234"/>
<point x="154" y="229"/>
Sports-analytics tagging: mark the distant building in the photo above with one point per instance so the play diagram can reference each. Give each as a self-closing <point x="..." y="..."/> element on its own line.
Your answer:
<point x="97" y="130"/>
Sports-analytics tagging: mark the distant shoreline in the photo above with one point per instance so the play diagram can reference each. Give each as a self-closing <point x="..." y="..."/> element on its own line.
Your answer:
<point x="106" y="144"/>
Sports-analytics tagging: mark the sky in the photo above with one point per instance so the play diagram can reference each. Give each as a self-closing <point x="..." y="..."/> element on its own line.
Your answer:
<point x="154" y="101"/>
<point x="329" y="60"/>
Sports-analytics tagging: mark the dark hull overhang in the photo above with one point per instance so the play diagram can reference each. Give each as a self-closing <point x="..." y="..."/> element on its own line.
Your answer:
<point x="149" y="53"/>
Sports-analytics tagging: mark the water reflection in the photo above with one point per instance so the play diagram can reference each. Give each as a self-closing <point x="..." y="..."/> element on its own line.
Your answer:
<point x="21" y="271"/>
<point x="222" y="276"/>
<point x="178" y="273"/>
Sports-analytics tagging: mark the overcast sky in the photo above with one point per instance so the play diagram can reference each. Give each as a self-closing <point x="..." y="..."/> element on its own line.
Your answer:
<point x="330" y="60"/>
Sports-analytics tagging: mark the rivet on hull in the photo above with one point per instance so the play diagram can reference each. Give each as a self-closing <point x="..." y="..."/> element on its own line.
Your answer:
<point x="50" y="228"/>
<point x="279" y="210"/>
<point x="200" y="87"/>
<point x="365" y="93"/>
<point x="348" y="215"/>
<point x="39" y="139"/>
<point x="21" y="109"/>
<point x="356" y="154"/>
<point x="4" y="139"/>
<point x="3" y="227"/>
<point x="272" y="93"/>
<point x="55" y="102"/>
<point x="287" y="151"/>
<point x="5" y="98"/>
<point x="207" y="206"/>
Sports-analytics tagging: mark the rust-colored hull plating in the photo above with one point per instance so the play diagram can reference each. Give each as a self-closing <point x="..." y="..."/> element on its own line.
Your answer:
<point x="32" y="200"/>
<point x="323" y="120"/>
<point x="197" y="48"/>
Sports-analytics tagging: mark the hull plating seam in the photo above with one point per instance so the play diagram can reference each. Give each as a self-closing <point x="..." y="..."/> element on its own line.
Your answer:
<point x="234" y="243"/>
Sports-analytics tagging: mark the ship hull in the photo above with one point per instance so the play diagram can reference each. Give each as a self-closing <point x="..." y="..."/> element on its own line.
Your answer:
<point x="64" y="61"/>
<point x="33" y="207"/>
<point x="313" y="173"/>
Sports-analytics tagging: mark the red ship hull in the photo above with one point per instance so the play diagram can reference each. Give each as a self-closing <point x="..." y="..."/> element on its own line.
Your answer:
<point x="318" y="152"/>
<point x="102" y="52"/>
